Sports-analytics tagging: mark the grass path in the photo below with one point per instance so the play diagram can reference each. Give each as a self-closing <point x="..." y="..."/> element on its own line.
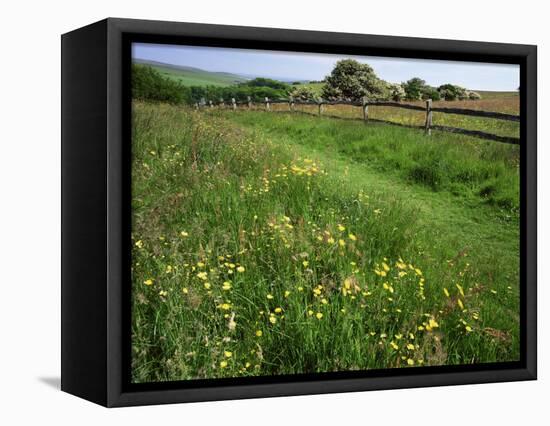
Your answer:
<point x="451" y="224"/>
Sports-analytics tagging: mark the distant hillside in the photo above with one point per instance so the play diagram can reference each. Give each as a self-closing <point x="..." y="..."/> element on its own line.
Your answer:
<point x="490" y="94"/>
<point x="191" y="76"/>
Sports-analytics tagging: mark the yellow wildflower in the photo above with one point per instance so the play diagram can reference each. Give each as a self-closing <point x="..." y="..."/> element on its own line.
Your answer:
<point x="446" y="292"/>
<point x="139" y="244"/>
<point x="352" y="237"/>
<point x="410" y="361"/>
<point x="259" y="333"/>
<point x="341" y="243"/>
<point x="240" y="269"/>
<point x="184" y="234"/>
<point x="410" y="347"/>
<point x="380" y="273"/>
<point x="223" y="364"/>
<point x="148" y="282"/>
<point x="319" y="315"/>
<point x="228" y="354"/>
<point x="226" y="286"/>
<point x="460" y="304"/>
<point x="305" y="263"/>
<point x="269" y="296"/>
<point x="278" y="310"/>
<point x="207" y="286"/>
<point x="185" y="290"/>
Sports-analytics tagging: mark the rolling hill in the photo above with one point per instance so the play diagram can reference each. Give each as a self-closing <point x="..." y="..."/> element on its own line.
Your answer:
<point x="191" y="76"/>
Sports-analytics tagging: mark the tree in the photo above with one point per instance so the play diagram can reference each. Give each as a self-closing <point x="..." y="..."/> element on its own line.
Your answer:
<point x="414" y="88"/>
<point x="432" y="93"/>
<point x="149" y="84"/>
<point x="267" y="82"/>
<point x="451" y="92"/>
<point x="396" y="92"/>
<point x="352" y="80"/>
<point x="303" y="93"/>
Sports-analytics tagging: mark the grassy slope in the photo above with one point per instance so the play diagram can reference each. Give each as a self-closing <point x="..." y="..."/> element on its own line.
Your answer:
<point x="199" y="78"/>
<point x="187" y="164"/>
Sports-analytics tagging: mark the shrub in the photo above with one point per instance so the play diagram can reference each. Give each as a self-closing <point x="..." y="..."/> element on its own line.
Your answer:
<point x="303" y="93"/>
<point x="149" y="84"/>
<point x="396" y="92"/>
<point x="474" y="95"/>
<point x="429" y="92"/>
<point x="413" y="88"/>
<point x="352" y="80"/>
<point x="267" y="82"/>
<point x="451" y="92"/>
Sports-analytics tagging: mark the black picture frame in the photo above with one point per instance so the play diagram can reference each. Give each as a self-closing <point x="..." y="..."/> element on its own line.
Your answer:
<point x="96" y="207"/>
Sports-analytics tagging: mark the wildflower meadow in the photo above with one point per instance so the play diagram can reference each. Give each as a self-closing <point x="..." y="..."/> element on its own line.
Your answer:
<point x="276" y="243"/>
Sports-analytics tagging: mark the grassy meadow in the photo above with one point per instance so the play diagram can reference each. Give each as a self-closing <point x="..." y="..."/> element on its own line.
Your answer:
<point x="509" y="105"/>
<point x="278" y="243"/>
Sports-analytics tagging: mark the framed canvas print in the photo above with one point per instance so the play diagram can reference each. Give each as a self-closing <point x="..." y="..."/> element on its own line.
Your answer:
<point x="252" y="212"/>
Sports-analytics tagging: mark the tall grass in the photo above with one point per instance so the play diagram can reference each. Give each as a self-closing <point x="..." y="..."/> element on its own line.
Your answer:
<point x="468" y="167"/>
<point x="252" y="257"/>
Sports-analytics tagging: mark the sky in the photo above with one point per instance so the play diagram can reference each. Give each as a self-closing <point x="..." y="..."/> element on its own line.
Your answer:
<point x="291" y="66"/>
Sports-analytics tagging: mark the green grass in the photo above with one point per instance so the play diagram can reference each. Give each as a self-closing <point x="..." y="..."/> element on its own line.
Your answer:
<point x="366" y="226"/>
<point x="317" y="88"/>
<point x="198" y="77"/>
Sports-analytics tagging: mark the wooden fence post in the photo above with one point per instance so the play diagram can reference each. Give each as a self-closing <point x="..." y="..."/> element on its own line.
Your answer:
<point x="428" y="117"/>
<point x="233" y="104"/>
<point x="221" y="102"/>
<point x="196" y="105"/>
<point x="267" y="103"/>
<point x="320" y="103"/>
<point x="290" y="103"/>
<point x="249" y="100"/>
<point x="365" y="108"/>
<point x="211" y="104"/>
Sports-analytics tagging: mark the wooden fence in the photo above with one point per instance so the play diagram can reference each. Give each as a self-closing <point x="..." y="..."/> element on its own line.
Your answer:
<point x="428" y="110"/>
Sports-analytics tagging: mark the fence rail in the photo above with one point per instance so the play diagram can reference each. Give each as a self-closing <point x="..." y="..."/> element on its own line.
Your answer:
<point x="428" y="109"/>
